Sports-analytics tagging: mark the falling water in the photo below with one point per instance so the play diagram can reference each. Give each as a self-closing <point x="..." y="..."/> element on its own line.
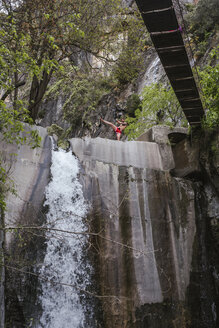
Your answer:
<point x="61" y="271"/>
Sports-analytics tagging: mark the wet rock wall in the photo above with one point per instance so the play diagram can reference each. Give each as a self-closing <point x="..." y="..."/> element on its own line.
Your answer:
<point x="145" y="221"/>
<point x="2" y="276"/>
<point x="29" y="169"/>
<point x="155" y="216"/>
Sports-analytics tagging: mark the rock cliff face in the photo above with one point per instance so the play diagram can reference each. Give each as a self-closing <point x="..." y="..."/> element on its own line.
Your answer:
<point x="2" y="277"/>
<point x="154" y="214"/>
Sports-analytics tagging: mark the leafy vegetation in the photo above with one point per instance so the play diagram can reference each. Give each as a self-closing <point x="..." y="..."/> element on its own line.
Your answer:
<point x="133" y="103"/>
<point x="37" y="36"/>
<point x="51" y="47"/>
<point x="82" y="94"/>
<point x="128" y="66"/>
<point x="202" y="21"/>
<point x="130" y="60"/>
<point x="85" y="94"/>
<point x="55" y="44"/>
<point x="203" y="18"/>
<point x="6" y="184"/>
<point x="210" y="87"/>
<point x="159" y="106"/>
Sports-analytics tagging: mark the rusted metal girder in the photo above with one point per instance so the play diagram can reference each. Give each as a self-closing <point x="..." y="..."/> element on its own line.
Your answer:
<point x="160" y="19"/>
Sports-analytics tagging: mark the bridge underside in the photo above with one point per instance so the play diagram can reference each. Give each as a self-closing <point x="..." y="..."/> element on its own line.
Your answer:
<point x="161" y="22"/>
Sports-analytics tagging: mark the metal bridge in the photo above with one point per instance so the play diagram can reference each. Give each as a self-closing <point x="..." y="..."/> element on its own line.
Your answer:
<point x="166" y="34"/>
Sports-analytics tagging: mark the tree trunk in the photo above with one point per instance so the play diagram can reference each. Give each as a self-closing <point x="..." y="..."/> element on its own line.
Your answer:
<point x="37" y="91"/>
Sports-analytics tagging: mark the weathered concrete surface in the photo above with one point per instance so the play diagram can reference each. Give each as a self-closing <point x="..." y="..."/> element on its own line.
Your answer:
<point x="165" y="137"/>
<point x="146" y="221"/>
<point x="29" y="169"/>
<point x="154" y="230"/>
<point x="186" y="159"/>
<point x="129" y="153"/>
<point x="160" y="134"/>
<point x="179" y="152"/>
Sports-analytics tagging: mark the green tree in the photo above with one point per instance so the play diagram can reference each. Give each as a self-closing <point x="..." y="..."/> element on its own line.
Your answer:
<point x="210" y="87"/>
<point x="203" y="18"/>
<point x="81" y="93"/>
<point x="83" y="99"/>
<point x="159" y="106"/>
<point x="131" y="60"/>
<point x="13" y="113"/>
<point x="53" y="31"/>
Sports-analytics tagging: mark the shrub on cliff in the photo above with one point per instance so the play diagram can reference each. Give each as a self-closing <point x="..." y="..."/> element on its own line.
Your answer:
<point x="159" y="106"/>
<point x="82" y="97"/>
<point x="130" y="56"/>
<point x="133" y="103"/>
<point x="203" y="18"/>
<point x="210" y="87"/>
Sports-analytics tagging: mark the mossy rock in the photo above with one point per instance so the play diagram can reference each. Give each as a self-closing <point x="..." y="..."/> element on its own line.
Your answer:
<point x="55" y="129"/>
<point x="64" y="144"/>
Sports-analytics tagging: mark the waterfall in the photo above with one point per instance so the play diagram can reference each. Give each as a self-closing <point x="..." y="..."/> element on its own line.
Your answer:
<point x="61" y="306"/>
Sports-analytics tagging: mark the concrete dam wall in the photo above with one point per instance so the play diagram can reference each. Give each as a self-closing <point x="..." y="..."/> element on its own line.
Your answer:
<point x="145" y="224"/>
<point x="147" y="231"/>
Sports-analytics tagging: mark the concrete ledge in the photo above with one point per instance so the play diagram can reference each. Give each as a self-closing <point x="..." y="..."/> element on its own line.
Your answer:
<point x="129" y="153"/>
<point x="164" y="136"/>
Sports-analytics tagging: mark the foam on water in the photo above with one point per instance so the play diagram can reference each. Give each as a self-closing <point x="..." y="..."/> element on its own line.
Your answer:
<point x="61" y="307"/>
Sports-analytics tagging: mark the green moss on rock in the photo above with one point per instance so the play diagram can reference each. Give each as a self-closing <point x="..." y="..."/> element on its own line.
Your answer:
<point x="55" y="129"/>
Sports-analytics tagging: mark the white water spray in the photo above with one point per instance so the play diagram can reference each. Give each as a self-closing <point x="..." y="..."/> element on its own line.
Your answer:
<point x="61" y="307"/>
